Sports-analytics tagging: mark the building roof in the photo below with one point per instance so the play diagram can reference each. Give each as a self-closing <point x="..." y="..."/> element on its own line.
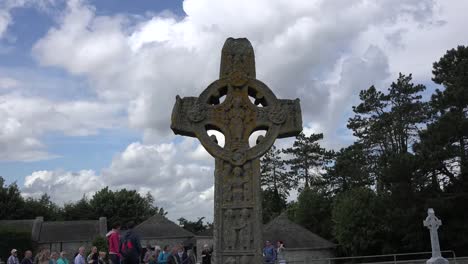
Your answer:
<point x="20" y="225"/>
<point x="293" y="235"/>
<point x="67" y="231"/>
<point x="159" y="226"/>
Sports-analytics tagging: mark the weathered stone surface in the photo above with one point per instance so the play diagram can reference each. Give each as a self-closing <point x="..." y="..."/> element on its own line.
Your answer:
<point x="433" y="223"/>
<point x="238" y="212"/>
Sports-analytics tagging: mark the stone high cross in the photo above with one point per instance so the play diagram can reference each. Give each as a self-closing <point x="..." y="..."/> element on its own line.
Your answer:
<point x="238" y="212"/>
<point x="433" y="223"/>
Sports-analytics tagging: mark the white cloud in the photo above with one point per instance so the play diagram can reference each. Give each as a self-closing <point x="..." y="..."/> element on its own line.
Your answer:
<point x="8" y="83"/>
<point x="25" y="119"/>
<point x="299" y="44"/>
<point x="181" y="185"/>
<point x="62" y="186"/>
<point x="5" y="19"/>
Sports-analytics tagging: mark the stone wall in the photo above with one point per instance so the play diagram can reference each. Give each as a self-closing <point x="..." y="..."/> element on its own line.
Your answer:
<point x="162" y="242"/>
<point x="295" y="259"/>
<point x="306" y="255"/>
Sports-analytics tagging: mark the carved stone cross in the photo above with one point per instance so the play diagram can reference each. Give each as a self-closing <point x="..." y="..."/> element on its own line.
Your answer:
<point x="433" y="223"/>
<point x="249" y="106"/>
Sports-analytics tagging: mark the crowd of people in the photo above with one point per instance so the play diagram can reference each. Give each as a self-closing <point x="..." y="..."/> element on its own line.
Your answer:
<point x="127" y="249"/>
<point x="43" y="257"/>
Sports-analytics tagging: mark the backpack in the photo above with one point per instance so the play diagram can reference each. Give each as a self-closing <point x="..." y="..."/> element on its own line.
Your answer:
<point x="127" y="247"/>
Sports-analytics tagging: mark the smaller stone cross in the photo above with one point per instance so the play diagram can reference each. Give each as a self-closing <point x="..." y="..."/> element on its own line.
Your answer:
<point x="433" y="223"/>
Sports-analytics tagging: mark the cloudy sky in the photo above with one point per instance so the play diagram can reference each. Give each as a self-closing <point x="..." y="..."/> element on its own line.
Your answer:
<point x="87" y="87"/>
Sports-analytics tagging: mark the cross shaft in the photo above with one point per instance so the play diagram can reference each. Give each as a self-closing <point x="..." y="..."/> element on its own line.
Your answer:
<point x="249" y="106"/>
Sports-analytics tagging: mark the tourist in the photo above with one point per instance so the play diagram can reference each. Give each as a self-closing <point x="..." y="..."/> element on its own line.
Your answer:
<point x="13" y="259"/>
<point x="157" y="251"/>
<point x="280" y="252"/>
<point x="182" y="256"/>
<point x="38" y="255"/>
<point x="44" y="257"/>
<point x="53" y="258"/>
<point x="102" y="257"/>
<point x="149" y="255"/>
<point x="191" y="259"/>
<point x="174" y="256"/>
<point x="131" y="247"/>
<point x="269" y="253"/>
<point x="79" y="258"/>
<point x="27" y="257"/>
<point x="113" y="241"/>
<point x="63" y="258"/>
<point x="206" y="254"/>
<point x="93" y="257"/>
<point x="164" y="255"/>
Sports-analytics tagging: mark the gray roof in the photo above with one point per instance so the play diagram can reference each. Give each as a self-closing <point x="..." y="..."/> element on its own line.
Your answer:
<point x="293" y="235"/>
<point x="20" y="225"/>
<point x="159" y="226"/>
<point x="63" y="231"/>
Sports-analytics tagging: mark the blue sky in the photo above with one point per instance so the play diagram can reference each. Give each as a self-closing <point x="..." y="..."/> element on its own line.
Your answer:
<point x="86" y="87"/>
<point x="95" y="151"/>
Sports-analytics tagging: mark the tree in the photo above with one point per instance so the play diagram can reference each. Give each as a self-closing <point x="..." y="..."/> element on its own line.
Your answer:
<point x="350" y="170"/>
<point x="195" y="227"/>
<point x="11" y="202"/>
<point x="101" y="243"/>
<point x="307" y="159"/>
<point x="444" y="144"/>
<point x="387" y="126"/>
<point x="80" y="210"/>
<point x="313" y="211"/>
<point x="443" y="150"/>
<point x="359" y="227"/>
<point x="41" y="207"/>
<point x="123" y="206"/>
<point x="276" y="184"/>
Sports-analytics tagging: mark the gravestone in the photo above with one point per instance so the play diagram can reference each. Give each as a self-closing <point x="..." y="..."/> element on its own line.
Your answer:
<point x="249" y="106"/>
<point x="433" y="223"/>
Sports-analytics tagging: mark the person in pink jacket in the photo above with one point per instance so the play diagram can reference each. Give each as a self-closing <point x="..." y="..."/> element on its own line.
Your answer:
<point x="113" y="240"/>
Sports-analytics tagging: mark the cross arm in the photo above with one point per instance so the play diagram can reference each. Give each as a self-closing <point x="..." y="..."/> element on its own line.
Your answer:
<point x="292" y="126"/>
<point x="180" y="121"/>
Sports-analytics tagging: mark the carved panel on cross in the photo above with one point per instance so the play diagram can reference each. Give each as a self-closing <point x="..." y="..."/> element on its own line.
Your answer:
<point x="237" y="186"/>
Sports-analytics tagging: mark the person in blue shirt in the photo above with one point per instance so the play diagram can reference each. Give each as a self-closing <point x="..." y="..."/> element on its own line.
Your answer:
<point x="269" y="253"/>
<point x="164" y="255"/>
<point x="80" y="259"/>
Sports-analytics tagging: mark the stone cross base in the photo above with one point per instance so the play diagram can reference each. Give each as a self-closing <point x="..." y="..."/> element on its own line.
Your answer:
<point x="437" y="260"/>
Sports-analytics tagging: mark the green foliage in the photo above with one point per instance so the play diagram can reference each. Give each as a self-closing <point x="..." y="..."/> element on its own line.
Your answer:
<point x="101" y="243"/>
<point x="276" y="184"/>
<point x="41" y="207"/>
<point x="80" y="210"/>
<point x="123" y="206"/>
<point x="9" y="239"/>
<point x="307" y="159"/>
<point x="351" y="169"/>
<point x="387" y="125"/>
<point x="272" y="205"/>
<point x="444" y="144"/>
<point x="359" y="226"/>
<point x="11" y="201"/>
<point x="195" y="227"/>
<point x="313" y="211"/>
